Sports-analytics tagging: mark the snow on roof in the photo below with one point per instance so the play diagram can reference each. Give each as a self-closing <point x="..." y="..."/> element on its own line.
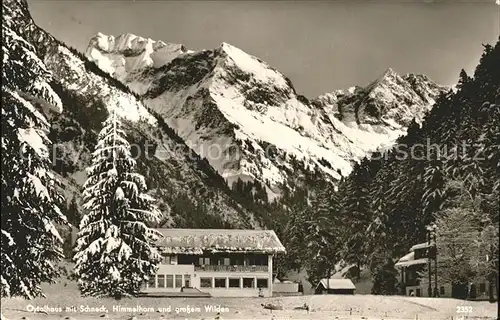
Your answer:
<point x="411" y="262"/>
<point x="337" y="284"/>
<point x="421" y="246"/>
<point x="195" y="241"/>
<point x="408" y="257"/>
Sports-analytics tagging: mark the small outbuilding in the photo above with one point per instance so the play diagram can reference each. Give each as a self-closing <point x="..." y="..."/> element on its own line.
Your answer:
<point x="335" y="286"/>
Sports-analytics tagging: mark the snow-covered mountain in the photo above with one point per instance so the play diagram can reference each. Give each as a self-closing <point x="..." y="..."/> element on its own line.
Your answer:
<point x="189" y="191"/>
<point x="392" y="100"/>
<point x="246" y="117"/>
<point x="127" y="54"/>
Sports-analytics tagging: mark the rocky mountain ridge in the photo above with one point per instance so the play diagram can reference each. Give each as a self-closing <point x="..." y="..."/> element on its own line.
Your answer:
<point x="253" y="120"/>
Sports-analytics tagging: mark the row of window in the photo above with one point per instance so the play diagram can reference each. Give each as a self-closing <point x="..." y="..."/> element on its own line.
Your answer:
<point x="170" y="281"/>
<point x="233" y="261"/>
<point x="179" y="281"/>
<point x="215" y="260"/>
<point x="248" y="283"/>
<point x="418" y="292"/>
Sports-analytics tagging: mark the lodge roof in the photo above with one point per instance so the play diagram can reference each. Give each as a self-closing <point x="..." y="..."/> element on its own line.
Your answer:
<point x="409" y="260"/>
<point x="337" y="284"/>
<point x="198" y="241"/>
<point x="421" y="246"/>
<point x="412" y="262"/>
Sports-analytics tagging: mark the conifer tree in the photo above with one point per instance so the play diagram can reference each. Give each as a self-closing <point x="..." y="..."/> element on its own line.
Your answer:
<point x="321" y="234"/>
<point x="114" y="249"/>
<point x="73" y="213"/>
<point x="355" y="201"/>
<point x="384" y="275"/>
<point x="30" y="243"/>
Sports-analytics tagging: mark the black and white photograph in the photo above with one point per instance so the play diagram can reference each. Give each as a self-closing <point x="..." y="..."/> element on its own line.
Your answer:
<point x="253" y="159"/>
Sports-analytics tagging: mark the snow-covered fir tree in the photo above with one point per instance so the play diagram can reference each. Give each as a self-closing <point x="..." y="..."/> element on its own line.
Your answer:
<point x="114" y="250"/>
<point x="30" y="243"/>
<point x="313" y="236"/>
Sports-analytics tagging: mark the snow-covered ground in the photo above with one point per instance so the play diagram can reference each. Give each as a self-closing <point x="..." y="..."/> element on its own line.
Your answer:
<point x="322" y="307"/>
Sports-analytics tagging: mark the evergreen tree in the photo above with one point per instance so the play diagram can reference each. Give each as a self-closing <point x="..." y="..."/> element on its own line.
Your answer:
<point x="30" y="243"/>
<point x="385" y="276"/>
<point x="463" y="79"/>
<point x="433" y="185"/>
<point x="114" y="251"/>
<point x="354" y="196"/>
<point x="73" y="213"/>
<point x="321" y="235"/>
<point x="288" y="225"/>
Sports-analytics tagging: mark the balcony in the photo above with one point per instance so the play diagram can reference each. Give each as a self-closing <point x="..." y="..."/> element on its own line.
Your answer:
<point x="224" y="268"/>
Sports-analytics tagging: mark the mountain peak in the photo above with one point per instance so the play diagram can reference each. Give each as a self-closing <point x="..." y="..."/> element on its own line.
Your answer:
<point x="250" y="64"/>
<point x="226" y="45"/>
<point x="129" y="53"/>
<point x="129" y="42"/>
<point x="389" y="74"/>
<point x="226" y="94"/>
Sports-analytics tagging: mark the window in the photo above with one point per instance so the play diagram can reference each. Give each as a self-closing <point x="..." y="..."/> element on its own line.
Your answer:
<point x="220" y="282"/>
<point x="441" y="290"/>
<point x="237" y="260"/>
<point x="409" y="276"/>
<point x="260" y="260"/>
<point x="204" y="261"/>
<point x="166" y="260"/>
<point x="178" y="280"/>
<point x="227" y="261"/>
<point x="418" y="292"/>
<point x="161" y="281"/>
<point x="217" y="261"/>
<point x="234" y="283"/>
<point x="152" y="282"/>
<point x="170" y="281"/>
<point x="206" y="282"/>
<point x="248" y="283"/>
<point x="264" y="261"/>
<point x="186" y="259"/>
<point x="482" y="288"/>
<point x="262" y="283"/>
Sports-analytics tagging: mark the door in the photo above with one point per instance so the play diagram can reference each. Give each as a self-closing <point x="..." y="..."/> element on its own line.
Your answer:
<point x="187" y="281"/>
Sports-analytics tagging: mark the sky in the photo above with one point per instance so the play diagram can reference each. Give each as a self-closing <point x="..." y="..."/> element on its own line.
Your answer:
<point x="320" y="45"/>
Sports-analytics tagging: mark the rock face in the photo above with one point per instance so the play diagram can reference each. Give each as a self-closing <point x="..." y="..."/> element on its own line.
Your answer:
<point x="123" y="56"/>
<point x="392" y="100"/>
<point x="190" y="192"/>
<point x="247" y="119"/>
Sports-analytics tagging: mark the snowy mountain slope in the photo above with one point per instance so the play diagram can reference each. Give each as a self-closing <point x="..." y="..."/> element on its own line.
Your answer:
<point x="392" y="100"/>
<point x="127" y="54"/>
<point x="188" y="189"/>
<point x="249" y="122"/>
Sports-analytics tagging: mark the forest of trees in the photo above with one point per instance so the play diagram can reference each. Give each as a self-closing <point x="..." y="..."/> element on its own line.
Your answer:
<point x="387" y="203"/>
<point x="384" y="207"/>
